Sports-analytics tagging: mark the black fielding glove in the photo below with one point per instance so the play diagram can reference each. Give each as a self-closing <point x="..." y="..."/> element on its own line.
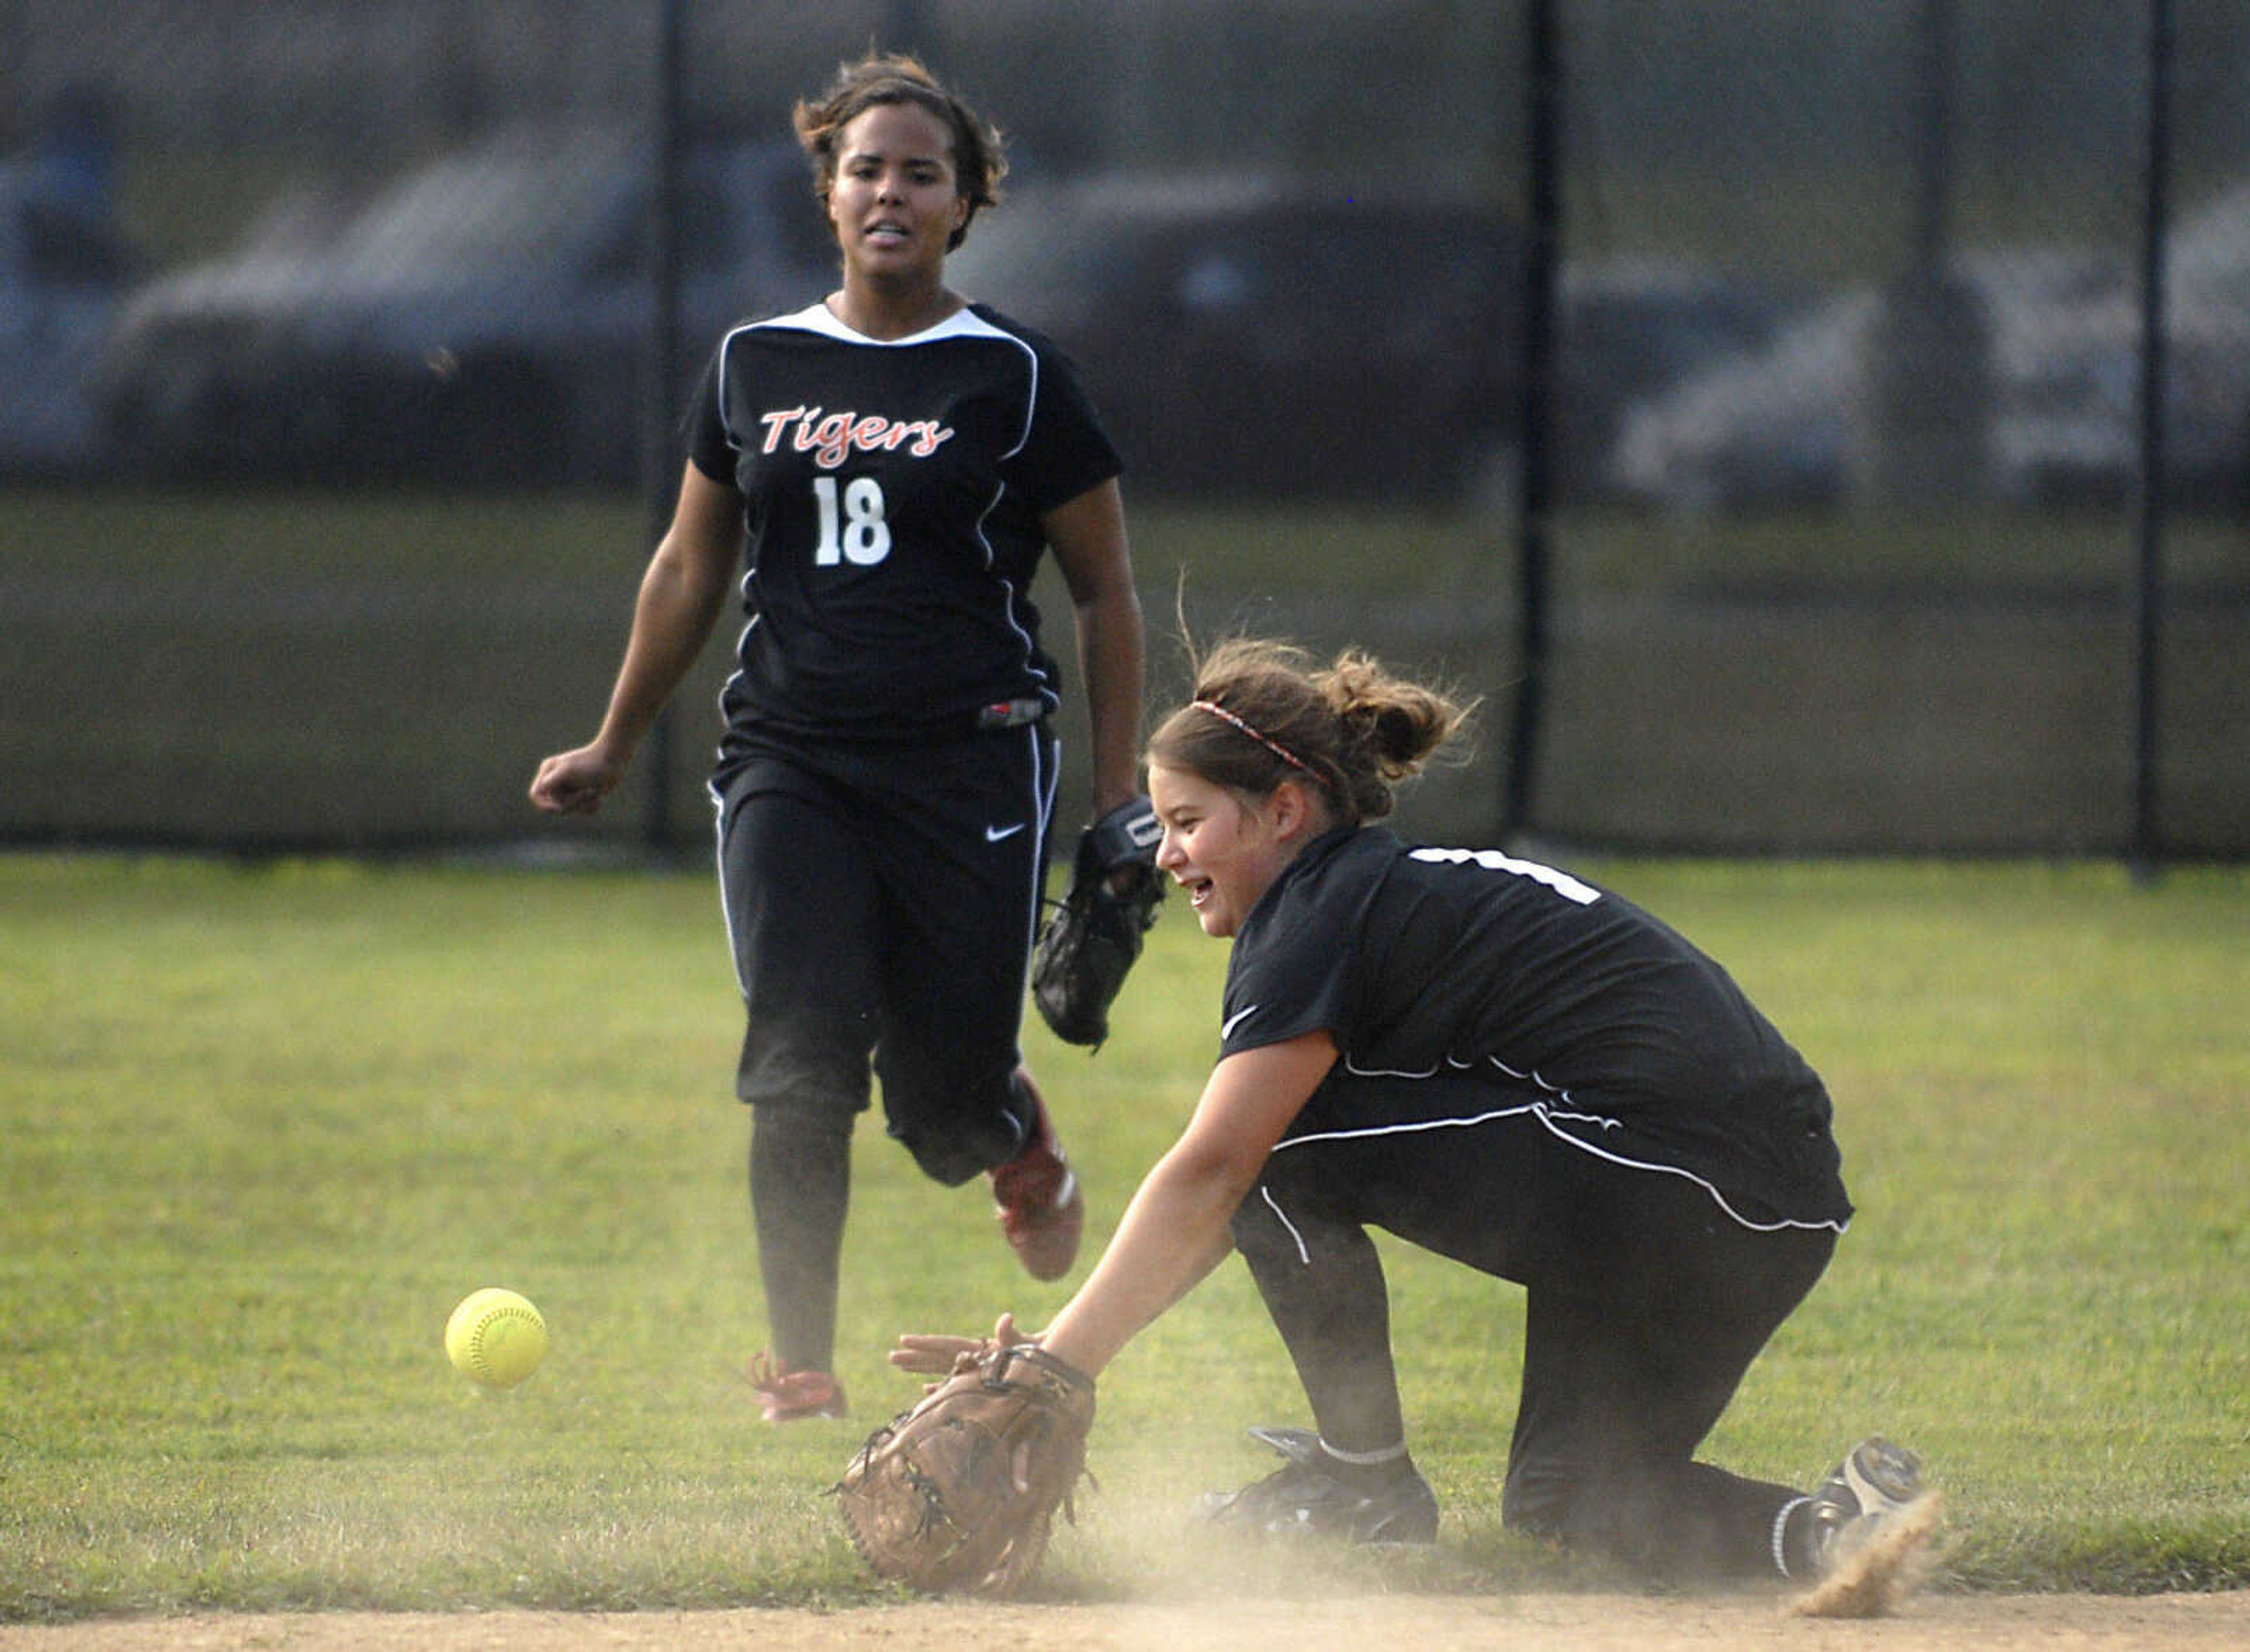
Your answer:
<point x="1091" y="940"/>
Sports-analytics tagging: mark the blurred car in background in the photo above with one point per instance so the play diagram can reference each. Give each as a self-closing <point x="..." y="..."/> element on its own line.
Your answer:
<point x="1768" y="426"/>
<point x="1791" y="424"/>
<point x="1249" y="337"/>
<point x="2207" y="252"/>
<point x="2070" y="428"/>
<point x="485" y="319"/>
<point x="1632" y="327"/>
<point x="64" y="272"/>
<point x="2067" y="355"/>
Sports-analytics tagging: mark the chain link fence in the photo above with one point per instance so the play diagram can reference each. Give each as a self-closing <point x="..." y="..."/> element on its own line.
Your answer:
<point x="330" y="412"/>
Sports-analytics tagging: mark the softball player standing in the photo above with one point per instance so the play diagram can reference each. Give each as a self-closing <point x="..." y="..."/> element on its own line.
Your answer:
<point x="889" y="465"/>
<point x="1504" y="1064"/>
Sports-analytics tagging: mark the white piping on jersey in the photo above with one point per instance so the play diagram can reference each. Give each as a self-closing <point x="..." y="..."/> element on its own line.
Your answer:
<point x="1552" y="1122"/>
<point x="719" y="846"/>
<point x="964" y="323"/>
<point x="1304" y="1257"/>
<point x="1457" y="1064"/>
<point x="1043" y="796"/>
<point x="817" y="317"/>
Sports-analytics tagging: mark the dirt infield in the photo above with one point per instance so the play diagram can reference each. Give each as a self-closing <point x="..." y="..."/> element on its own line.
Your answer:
<point x="1427" y="1623"/>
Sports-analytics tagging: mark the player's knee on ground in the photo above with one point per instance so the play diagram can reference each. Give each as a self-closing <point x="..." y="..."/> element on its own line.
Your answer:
<point x="1680" y="1522"/>
<point x="1549" y="1497"/>
<point x="1537" y="1498"/>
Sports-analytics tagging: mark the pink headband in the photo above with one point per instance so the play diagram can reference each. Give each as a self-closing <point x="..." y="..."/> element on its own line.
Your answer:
<point x="1274" y="747"/>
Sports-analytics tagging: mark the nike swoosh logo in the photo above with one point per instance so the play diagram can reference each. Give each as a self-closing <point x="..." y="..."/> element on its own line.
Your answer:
<point x="1226" y="1027"/>
<point x="998" y="834"/>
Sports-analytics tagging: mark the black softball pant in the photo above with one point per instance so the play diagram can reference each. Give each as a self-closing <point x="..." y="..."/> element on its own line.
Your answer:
<point x="1645" y="1303"/>
<point x="881" y="901"/>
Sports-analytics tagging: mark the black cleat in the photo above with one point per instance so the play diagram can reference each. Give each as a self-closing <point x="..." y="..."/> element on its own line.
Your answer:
<point x="1304" y="1497"/>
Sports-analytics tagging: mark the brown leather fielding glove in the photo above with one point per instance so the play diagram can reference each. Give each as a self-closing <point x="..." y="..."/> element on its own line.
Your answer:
<point x="959" y="1492"/>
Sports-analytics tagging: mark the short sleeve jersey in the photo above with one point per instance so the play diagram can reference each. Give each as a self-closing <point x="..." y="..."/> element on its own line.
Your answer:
<point x="893" y="492"/>
<point x="1426" y="962"/>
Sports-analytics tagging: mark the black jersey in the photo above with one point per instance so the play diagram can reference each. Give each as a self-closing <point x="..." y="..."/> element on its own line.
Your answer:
<point x="1592" y="1014"/>
<point x="893" y="492"/>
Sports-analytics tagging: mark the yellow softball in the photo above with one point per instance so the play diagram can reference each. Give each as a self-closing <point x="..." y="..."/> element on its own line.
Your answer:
<point x="495" y="1337"/>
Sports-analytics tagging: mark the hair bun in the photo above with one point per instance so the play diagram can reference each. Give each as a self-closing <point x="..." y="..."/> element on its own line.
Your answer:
<point x="1261" y="714"/>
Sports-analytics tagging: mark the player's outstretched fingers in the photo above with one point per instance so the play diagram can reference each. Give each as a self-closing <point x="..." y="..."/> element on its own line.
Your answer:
<point x="931" y="1355"/>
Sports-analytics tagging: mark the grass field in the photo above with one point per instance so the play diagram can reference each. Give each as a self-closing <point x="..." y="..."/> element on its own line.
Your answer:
<point x="265" y="1126"/>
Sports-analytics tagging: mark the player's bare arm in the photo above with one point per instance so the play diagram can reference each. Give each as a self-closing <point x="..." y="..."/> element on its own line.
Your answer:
<point x="681" y="593"/>
<point x="1087" y="536"/>
<point x="1174" y="1231"/>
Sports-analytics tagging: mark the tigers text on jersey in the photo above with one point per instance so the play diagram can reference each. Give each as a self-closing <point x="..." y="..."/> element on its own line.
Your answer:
<point x="893" y="492"/>
<point x="1574" y="1004"/>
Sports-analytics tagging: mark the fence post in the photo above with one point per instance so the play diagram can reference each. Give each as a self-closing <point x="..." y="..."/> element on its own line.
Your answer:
<point x="2147" y="848"/>
<point x="660" y="471"/>
<point x="1536" y="484"/>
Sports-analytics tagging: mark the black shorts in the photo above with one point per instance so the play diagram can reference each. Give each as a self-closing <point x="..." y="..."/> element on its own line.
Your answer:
<point x="882" y="900"/>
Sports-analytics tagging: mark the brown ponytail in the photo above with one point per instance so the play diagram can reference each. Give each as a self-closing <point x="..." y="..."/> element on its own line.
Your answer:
<point x="1261" y="713"/>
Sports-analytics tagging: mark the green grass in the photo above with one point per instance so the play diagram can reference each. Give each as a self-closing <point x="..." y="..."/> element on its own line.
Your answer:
<point x="265" y="1126"/>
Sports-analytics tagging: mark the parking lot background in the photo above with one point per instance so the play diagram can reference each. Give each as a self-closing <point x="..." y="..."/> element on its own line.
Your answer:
<point x="1845" y="536"/>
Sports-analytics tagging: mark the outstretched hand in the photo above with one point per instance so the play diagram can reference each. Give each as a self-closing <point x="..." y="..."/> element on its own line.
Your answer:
<point x="936" y="1356"/>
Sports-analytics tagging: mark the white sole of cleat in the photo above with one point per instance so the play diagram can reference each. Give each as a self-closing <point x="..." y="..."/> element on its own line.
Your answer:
<point x="1874" y="1576"/>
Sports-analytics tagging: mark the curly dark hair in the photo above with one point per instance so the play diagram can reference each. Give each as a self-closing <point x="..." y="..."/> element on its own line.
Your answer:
<point x="979" y="161"/>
